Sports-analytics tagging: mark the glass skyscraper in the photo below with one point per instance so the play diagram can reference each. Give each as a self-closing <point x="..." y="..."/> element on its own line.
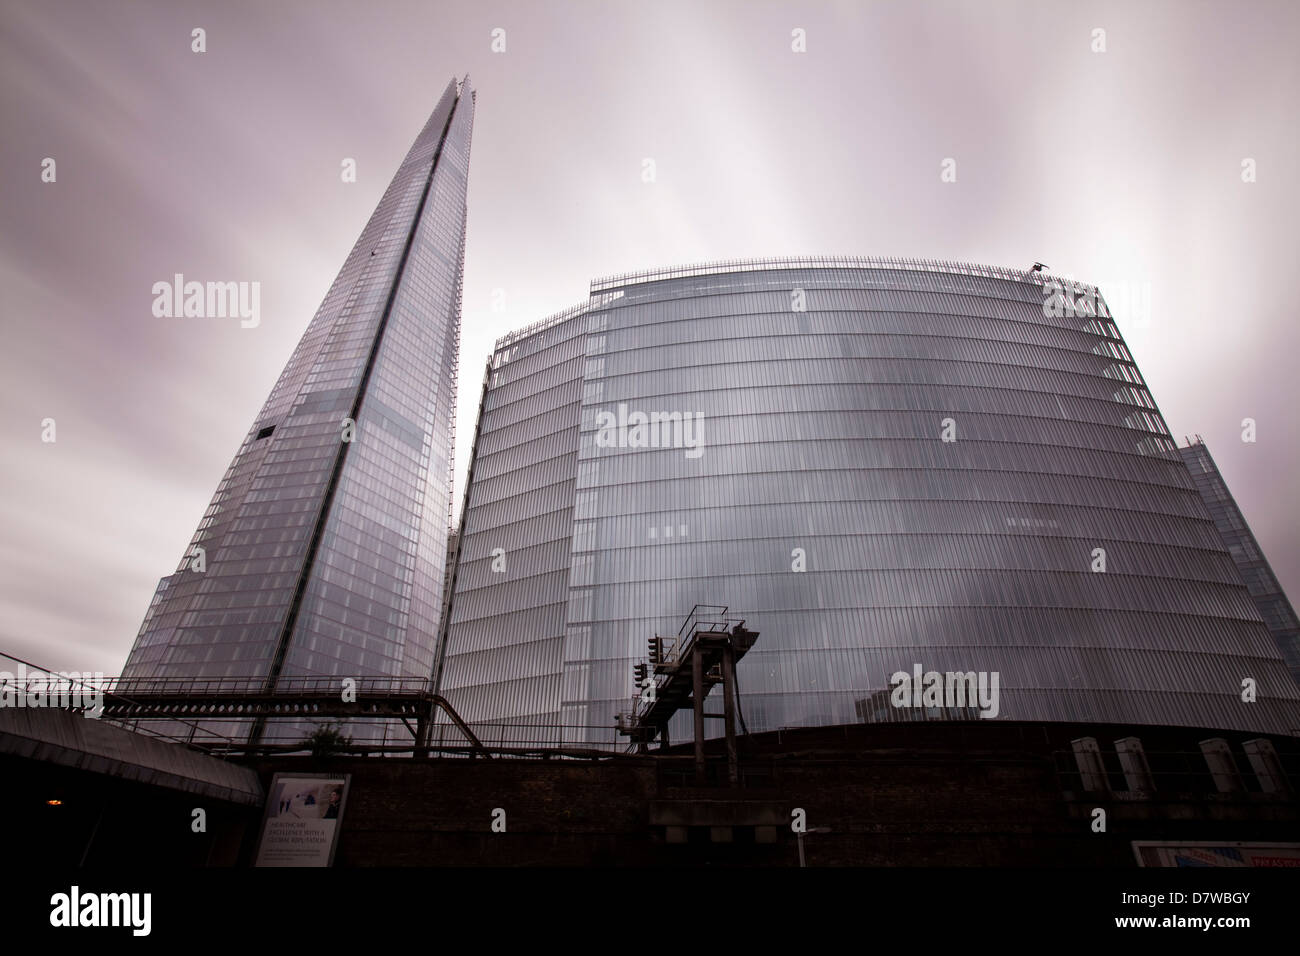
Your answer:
<point x="1270" y="599"/>
<point x="877" y="463"/>
<point x="324" y="549"/>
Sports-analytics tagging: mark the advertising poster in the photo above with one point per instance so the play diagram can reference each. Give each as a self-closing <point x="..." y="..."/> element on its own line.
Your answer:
<point x="303" y="815"/>
<point x="1178" y="854"/>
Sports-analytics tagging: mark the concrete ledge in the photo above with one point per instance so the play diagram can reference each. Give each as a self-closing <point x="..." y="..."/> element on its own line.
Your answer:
<point x="71" y="740"/>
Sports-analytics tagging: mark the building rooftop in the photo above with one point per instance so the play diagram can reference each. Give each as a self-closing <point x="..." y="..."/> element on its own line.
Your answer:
<point x="723" y="266"/>
<point x="607" y="288"/>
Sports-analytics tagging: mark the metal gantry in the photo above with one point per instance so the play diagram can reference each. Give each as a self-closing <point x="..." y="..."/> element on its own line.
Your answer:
<point x="681" y="672"/>
<point x="192" y="699"/>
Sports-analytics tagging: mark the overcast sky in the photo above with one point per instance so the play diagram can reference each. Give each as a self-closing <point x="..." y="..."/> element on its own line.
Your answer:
<point x="1121" y="167"/>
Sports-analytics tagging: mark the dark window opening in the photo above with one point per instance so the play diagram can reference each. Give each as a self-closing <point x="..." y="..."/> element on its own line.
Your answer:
<point x="265" y="433"/>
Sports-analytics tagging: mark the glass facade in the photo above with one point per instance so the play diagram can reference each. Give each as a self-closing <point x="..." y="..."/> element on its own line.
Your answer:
<point x="325" y="545"/>
<point x="1270" y="600"/>
<point x="505" y="644"/>
<point x="877" y="464"/>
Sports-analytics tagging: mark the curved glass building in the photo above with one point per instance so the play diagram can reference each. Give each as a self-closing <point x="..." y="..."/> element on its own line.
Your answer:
<point x="881" y="465"/>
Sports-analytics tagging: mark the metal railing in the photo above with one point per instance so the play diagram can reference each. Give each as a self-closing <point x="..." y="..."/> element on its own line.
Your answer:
<point x="594" y="301"/>
<point x="723" y="266"/>
<point x="271" y="686"/>
<point x="389" y="736"/>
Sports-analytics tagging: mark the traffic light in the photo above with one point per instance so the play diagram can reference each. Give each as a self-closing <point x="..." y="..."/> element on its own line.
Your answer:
<point x="656" y="650"/>
<point x="639" y="674"/>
